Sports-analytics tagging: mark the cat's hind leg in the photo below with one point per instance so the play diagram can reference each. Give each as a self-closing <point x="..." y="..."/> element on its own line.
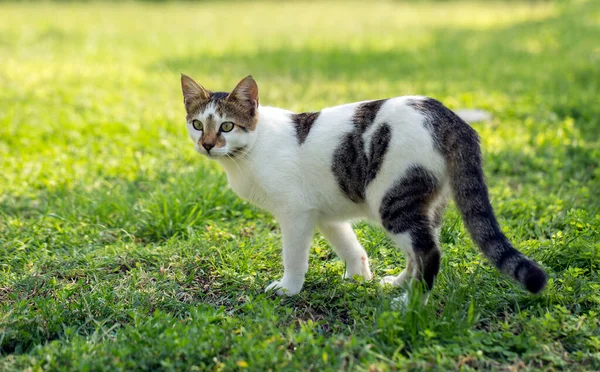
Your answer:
<point x="342" y="238"/>
<point x="405" y="214"/>
<point x="404" y="276"/>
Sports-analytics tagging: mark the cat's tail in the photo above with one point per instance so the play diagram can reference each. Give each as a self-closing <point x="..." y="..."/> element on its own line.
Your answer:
<point x="460" y="145"/>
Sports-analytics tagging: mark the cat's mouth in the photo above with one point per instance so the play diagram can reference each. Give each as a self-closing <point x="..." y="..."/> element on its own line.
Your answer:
<point x="238" y="151"/>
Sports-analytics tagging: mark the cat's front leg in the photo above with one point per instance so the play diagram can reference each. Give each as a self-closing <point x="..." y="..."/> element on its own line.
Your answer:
<point x="342" y="238"/>
<point x="297" y="231"/>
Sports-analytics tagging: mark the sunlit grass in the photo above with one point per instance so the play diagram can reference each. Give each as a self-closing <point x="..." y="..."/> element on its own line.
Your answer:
<point x="121" y="248"/>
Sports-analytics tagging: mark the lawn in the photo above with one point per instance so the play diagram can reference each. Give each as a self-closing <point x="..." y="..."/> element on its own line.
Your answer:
<point x="121" y="248"/>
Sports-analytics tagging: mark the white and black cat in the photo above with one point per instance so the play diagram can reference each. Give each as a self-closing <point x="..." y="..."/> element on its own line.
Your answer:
<point x="394" y="162"/>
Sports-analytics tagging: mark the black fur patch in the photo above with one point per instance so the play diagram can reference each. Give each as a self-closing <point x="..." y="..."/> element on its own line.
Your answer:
<point x="404" y="209"/>
<point x="351" y="166"/>
<point x="217" y="96"/>
<point x="505" y="257"/>
<point x="303" y="123"/>
<point x="379" y="145"/>
<point x="404" y="206"/>
<point x="366" y="113"/>
<point x="431" y="267"/>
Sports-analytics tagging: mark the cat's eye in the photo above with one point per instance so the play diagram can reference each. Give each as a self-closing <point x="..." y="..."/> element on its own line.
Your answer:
<point x="197" y="124"/>
<point x="227" y="126"/>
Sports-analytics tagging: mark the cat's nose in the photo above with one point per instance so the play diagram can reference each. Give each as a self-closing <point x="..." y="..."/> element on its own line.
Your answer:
<point x="208" y="146"/>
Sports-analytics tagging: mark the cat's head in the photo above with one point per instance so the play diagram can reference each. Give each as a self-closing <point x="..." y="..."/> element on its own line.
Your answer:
<point x="221" y="124"/>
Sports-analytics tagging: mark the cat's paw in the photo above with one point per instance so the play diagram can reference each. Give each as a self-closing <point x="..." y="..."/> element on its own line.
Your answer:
<point x="360" y="268"/>
<point x="284" y="288"/>
<point x="395" y="281"/>
<point x="402" y="302"/>
<point x="399" y="303"/>
<point x="388" y="280"/>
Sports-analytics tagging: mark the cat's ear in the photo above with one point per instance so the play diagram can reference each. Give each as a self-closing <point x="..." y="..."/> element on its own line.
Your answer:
<point x="192" y="91"/>
<point x="245" y="91"/>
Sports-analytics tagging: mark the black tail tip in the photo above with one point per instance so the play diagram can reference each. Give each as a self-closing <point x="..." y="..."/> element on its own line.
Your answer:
<point x="535" y="280"/>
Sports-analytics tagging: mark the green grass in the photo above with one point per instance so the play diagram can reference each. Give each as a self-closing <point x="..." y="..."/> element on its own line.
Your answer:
<point x="120" y="248"/>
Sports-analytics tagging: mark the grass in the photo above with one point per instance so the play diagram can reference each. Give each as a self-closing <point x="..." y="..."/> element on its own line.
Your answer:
<point x="122" y="249"/>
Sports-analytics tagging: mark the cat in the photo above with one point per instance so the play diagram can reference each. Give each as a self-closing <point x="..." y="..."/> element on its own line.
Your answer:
<point x="392" y="161"/>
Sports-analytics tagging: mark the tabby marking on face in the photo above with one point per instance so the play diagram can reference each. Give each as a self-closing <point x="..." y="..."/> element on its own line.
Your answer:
<point x="214" y="109"/>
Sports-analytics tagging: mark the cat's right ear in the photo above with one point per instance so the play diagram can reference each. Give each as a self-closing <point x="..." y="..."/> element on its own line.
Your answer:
<point x="246" y="91"/>
<point x="192" y="91"/>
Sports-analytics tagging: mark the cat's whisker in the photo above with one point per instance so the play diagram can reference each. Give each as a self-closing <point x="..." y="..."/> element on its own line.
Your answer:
<point x="234" y="162"/>
<point x="240" y="155"/>
<point x="244" y="159"/>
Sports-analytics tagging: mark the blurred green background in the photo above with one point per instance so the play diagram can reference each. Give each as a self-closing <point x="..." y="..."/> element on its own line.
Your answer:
<point x="121" y="248"/>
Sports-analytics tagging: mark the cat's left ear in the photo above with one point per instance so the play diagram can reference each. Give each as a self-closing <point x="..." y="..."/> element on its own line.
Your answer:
<point x="246" y="91"/>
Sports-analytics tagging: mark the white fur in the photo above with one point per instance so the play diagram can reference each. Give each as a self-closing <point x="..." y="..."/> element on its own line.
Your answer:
<point x="404" y="242"/>
<point x="296" y="184"/>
